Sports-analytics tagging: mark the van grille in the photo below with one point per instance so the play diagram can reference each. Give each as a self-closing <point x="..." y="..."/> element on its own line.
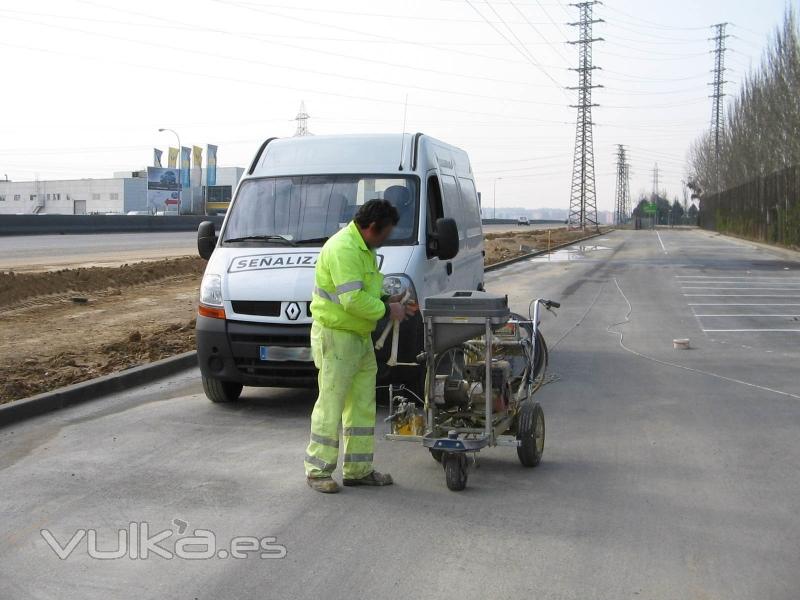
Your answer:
<point x="261" y="308"/>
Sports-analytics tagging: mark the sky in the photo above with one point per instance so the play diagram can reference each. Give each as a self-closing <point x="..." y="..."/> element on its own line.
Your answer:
<point x="86" y="84"/>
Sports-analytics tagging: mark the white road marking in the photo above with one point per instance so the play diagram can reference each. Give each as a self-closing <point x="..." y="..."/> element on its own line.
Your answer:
<point x="748" y="315"/>
<point x="742" y="304"/>
<point x="660" y="241"/>
<point x="753" y="289"/>
<point x="748" y="330"/>
<point x="741" y="295"/>
<point x="727" y="277"/>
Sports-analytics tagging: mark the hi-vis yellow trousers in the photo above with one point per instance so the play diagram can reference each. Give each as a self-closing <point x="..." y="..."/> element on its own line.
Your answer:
<point x="347" y="369"/>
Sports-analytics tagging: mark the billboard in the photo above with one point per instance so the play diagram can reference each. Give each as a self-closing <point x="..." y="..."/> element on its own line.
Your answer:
<point x="163" y="189"/>
<point x="185" y="167"/>
<point x="211" y="165"/>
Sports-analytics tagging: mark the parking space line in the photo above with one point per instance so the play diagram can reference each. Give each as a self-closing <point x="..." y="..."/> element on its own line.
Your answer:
<point x="739" y="296"/>
<point x="747" y="315"/>
<point x="748" y="330"/>
<point x="754" y="289"/>
<point x="743" y="304"/>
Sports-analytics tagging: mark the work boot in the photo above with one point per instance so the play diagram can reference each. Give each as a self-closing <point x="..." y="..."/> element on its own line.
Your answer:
<point x="373" y="478"/>
<point x="326" y="485"/>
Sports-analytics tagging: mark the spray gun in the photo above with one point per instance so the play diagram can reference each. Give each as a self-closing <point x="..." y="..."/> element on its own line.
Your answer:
<point x="394" y="327"/>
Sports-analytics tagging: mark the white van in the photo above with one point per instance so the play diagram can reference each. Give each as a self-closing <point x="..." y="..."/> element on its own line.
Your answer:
<point x="254" y="320"/>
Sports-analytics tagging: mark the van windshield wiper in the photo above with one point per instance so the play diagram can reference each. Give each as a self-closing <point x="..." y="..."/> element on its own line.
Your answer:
<point x="318" y="240"/>
<point x="264" y="238"/>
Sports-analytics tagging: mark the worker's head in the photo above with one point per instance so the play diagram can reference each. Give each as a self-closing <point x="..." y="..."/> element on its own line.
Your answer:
<point x="376" y="220"/>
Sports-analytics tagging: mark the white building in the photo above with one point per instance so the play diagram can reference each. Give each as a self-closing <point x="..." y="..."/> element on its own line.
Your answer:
<point x="124" y="192"/>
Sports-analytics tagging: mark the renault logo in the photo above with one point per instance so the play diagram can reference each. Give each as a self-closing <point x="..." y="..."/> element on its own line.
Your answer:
<point x="292" y="311"/>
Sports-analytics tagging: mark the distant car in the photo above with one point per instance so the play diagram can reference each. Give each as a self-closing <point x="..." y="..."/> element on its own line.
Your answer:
<point x="139" y="212"/>
<point x="523" y="221"/>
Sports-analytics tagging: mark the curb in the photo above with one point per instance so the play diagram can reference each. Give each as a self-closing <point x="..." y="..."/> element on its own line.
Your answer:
<point x="504" y="263"/>
<point x="92" y="389"/>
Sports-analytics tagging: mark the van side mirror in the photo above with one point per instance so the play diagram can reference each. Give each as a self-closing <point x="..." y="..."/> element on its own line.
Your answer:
<point x="206" y="239"/>
<point x="446" y="238"/>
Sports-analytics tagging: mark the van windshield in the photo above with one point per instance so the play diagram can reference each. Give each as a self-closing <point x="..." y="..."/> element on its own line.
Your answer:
<point x="310" y="209"/>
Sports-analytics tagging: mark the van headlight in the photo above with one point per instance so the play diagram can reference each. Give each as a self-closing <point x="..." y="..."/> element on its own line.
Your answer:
<point x="398" y="283"/>
<point x="211" y="290"/>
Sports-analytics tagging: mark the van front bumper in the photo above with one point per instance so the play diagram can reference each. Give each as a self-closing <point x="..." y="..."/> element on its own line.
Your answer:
<point x="230" y="351"/>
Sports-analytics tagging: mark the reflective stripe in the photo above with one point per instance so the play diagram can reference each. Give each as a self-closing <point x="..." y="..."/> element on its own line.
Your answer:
<point x="359" y="431"/>
<point x="357" y="458"/>
<point x="319" y="463"/>
<point x="325" y="441"/>
<point x="349" y="287"/>
<point x="323" y="294"/>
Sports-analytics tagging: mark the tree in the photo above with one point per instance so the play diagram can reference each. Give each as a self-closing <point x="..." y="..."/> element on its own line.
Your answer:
<point x="761" y="121"/>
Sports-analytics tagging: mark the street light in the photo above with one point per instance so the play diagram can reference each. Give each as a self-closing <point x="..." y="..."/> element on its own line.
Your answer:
<point x="180" y="179"/>
<point x="494" y="197"/>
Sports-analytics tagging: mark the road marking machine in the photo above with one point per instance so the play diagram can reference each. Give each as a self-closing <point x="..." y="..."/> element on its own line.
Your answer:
<point x="483" y="365"/>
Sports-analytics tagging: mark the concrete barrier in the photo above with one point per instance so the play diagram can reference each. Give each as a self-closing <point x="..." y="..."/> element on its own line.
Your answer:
<point x="514" y="221"/>
<point x="67" y="224"/>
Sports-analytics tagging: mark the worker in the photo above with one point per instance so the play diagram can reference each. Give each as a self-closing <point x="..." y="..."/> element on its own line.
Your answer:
<point x="346" y="305"/>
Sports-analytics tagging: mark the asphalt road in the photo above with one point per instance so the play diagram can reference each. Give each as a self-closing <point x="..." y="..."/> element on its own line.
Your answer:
<point x="667" y="474"/>
<point x="49" y="252"/>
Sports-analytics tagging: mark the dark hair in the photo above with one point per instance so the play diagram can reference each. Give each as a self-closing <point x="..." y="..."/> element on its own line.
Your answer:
<point x="380" y="212"/>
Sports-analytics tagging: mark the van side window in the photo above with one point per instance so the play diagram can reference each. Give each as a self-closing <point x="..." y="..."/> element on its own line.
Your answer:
<point x="453" y="207"/>
<point x="434" y="210"/>
<point x="472" y="211"/>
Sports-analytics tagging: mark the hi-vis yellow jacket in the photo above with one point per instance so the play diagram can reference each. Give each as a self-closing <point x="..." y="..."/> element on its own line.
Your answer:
<point x="347" y="284"/>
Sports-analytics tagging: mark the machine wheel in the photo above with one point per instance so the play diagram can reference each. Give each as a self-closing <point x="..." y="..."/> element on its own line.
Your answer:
<point x="455" y="470"/>
<point x="530" y="433"/>
<point x="437" y="454"/>
<point x="221" y="391"/>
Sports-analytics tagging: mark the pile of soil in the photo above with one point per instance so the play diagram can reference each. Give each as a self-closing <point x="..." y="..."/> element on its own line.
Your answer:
<point x="20" y="378"/>
<point x="16" y="288"/>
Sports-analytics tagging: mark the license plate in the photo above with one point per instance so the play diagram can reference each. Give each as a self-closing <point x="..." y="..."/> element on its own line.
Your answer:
<point x="283" y="353"/>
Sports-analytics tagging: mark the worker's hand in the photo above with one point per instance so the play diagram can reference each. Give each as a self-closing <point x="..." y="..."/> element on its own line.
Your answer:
<point x="397" y="312"/>
<point x="395" y="298"/>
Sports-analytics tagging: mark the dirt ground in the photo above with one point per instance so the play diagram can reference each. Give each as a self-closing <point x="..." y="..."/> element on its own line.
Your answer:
<point x="66" y="326"/>
<point x="509" y="244"/>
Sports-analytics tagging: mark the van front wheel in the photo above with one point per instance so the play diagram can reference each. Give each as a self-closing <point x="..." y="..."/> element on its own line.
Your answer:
<point x="221" y="391"/>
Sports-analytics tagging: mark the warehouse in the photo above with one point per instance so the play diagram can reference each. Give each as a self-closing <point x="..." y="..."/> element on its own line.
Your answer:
<point x="125" y="192"/>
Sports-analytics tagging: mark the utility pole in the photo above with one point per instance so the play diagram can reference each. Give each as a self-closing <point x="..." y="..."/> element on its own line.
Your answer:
<point x="583" y="201"/>
<point x="655" y="194"/>
<point x="717" y="105"/>
<point x="622" y="210"/>
<point x="302" y="121"/>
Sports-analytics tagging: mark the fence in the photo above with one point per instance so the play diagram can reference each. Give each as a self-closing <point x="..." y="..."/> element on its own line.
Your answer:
<point x="765" y="209"/>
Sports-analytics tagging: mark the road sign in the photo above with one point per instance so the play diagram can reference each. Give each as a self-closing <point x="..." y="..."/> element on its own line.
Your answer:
<point x="650" y="208"/>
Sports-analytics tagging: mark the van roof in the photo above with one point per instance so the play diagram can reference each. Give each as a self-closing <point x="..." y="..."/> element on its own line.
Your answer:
<point x="356" y="153"/>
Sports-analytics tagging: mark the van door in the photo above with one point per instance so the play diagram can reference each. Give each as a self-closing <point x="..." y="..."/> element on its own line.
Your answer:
<point x="461" y="267"/>
<point x="438" y="274"/>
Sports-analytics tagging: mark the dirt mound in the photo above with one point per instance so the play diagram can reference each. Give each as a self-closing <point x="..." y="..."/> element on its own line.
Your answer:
<point x="17" y="288"/>
<point x="29" y="376"/>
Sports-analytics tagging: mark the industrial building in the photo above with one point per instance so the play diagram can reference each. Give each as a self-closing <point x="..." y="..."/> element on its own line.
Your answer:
<point x="125" y="192"/>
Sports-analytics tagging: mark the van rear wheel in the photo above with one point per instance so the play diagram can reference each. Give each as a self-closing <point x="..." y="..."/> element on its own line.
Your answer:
<point x="221" y="391"/>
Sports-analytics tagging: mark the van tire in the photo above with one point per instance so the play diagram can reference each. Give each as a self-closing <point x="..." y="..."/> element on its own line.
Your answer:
<point x="221" y="391"/>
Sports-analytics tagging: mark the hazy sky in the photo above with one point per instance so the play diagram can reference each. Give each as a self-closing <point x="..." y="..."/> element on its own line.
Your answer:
<point x="86" y="84"/>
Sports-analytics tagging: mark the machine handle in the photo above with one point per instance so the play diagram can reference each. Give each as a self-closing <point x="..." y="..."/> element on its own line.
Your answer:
<point x="553" y="304"/>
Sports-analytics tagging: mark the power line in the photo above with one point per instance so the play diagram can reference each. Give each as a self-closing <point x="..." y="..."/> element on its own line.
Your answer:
<point x="523" y="51"/>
